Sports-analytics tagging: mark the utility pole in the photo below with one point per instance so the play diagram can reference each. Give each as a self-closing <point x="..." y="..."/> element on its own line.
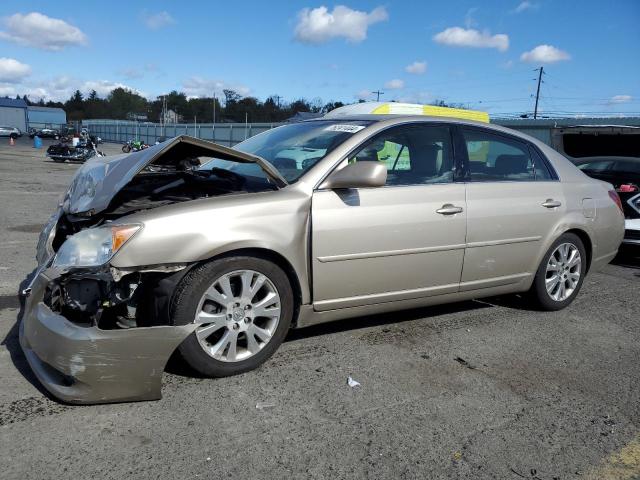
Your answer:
<point x="378" y="93"/>
<point x="277" y="97"/>
<point x="535" y="110"/>
<point x="213" y="125"/>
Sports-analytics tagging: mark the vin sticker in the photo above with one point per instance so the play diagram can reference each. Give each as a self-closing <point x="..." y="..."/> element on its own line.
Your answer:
<point x="344" y="128"/>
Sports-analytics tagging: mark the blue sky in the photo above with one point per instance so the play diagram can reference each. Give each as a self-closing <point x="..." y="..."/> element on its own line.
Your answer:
<point x="481" y="54"/>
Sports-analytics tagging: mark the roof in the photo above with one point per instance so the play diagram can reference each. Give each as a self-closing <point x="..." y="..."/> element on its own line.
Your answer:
<point x="12" y="102"/>
<point x="397" y="108"/>
<point x="36" y="108"/>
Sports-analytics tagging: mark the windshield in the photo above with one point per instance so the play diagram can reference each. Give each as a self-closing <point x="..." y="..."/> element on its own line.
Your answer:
<point x="291" y="149"/>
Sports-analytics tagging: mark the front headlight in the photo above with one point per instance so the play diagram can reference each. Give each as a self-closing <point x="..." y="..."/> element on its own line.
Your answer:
<point x="94" y="246"/>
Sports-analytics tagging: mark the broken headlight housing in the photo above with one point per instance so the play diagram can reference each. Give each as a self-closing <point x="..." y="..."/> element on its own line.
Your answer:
<point x="94" y="246"/>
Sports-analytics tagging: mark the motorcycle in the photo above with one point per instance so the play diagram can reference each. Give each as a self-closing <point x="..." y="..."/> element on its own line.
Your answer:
<point x="82" y="152"/>
<point x="134" y="146"/>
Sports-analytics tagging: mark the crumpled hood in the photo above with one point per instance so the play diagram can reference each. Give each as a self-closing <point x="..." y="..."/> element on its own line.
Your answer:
<point x="98" y="180"/>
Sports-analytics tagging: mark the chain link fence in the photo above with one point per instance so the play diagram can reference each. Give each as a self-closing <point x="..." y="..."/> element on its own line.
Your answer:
<point x="227" y="134"/>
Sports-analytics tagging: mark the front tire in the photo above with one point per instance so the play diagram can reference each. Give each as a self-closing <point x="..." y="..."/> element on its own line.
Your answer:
<point x="244" y="308"/>
<point x="126" y="148"/>
<point x="560" y="274"/>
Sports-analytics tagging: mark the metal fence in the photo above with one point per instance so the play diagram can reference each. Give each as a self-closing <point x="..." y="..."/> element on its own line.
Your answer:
<point x="231" y="133"/>
<point x="227" y="134"/>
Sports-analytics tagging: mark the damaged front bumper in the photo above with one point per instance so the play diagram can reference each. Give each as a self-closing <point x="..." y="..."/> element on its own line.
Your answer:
<point x="86" y="364"/>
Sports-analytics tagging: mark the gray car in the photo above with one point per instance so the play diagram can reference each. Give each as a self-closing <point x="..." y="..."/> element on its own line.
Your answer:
<point x="7" y="131"/>
<point x="218" y="252"/>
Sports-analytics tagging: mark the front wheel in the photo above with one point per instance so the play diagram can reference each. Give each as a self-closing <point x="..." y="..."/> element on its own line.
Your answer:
<point x="243" y="307"/>
<point x="126" y="148"/>
<point x="560" y="274"/>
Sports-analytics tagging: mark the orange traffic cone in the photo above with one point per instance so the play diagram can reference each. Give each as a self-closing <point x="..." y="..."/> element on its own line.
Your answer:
<point x="12" y="142"/>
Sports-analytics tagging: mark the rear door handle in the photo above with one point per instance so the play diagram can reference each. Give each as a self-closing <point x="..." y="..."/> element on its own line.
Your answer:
<point x="551" y="203"/>
<point x="449" y="209"/>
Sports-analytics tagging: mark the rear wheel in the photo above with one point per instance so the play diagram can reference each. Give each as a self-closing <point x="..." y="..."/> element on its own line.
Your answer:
<point x="243" y="307"/>
<point x="560" y="274"/>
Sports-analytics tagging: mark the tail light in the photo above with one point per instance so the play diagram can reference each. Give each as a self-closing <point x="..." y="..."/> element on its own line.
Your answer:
<point x="616" y="199"/>
<point x="627" y="188"/>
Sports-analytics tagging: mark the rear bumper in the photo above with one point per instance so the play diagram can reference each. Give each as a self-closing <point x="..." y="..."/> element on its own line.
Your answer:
<point x="88" y="365"/>
<point x="631" y="232"/>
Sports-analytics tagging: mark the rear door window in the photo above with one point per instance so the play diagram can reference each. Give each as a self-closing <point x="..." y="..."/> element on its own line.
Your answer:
<point x="494" y="157"/>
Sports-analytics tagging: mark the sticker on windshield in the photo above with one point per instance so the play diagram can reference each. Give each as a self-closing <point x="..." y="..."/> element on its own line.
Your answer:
<point x="344" y="128"/>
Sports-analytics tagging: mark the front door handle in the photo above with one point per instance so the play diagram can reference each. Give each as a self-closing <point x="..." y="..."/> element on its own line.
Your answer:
<point x="449" y="209"/>
<point x="551" y="203"/>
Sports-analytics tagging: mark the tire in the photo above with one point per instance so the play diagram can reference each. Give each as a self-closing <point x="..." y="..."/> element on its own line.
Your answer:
<point x="554" y="300"/>
<point x="204" y="354"/>
<point x="126" y="148"/>
<point x="58" y="160"/>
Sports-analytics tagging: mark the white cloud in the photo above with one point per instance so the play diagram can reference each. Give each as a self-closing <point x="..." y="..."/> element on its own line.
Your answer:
<point x="7" y="91"/>
<point x="37" y="30"/>
<point x="318" y="25"/>
<point x="363" y="94"/>
<point x="524" y="6"/>
<point x="13" y="71"/>
<point x="62" y="87"/>
<point x="195" y="87"/>
<point x="461" y="37"/>
<point x="156" y="21"/>
<point x="394" y="84"/>
<point x="620" y="99"/>
<point x="545" y="54"/>
<point x="416" y="68"/>
<point x="104" y="87"/>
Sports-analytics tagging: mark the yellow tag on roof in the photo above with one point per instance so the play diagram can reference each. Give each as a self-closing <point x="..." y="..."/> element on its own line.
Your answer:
<point x="431" y="110"/>
<point x="384" y="108"/>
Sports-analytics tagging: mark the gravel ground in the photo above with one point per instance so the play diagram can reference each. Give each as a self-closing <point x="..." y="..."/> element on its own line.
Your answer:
<point x="483" y="389"/>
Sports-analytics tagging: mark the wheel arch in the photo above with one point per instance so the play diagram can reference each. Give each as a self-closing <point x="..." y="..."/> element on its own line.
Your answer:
<point x="586" y="241"/>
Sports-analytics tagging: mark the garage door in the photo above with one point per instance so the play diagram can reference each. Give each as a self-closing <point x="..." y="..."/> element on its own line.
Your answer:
<point x="13" y="117"/>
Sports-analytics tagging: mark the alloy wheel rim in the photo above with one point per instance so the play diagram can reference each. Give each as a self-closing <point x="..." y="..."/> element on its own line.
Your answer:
<point x="563" y="272"/>
<point x="237" y="316"/>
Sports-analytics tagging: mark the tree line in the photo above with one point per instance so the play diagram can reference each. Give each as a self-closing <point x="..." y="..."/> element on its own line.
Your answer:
<point x="122" y="103"/>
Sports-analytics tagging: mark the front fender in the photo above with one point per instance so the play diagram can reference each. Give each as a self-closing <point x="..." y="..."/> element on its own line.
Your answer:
<point x="198" y="230"/>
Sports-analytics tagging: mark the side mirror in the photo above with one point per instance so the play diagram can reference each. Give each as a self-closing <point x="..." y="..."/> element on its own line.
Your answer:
<point x="363" y="174"/>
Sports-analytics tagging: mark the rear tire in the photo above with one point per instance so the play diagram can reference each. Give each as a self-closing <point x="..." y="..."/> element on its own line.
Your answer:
<point x="234" y="300"/>
<point x="560" y="274"/>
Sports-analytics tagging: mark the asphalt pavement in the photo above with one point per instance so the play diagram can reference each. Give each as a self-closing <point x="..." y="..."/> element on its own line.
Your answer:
<point x="474" y="390"/>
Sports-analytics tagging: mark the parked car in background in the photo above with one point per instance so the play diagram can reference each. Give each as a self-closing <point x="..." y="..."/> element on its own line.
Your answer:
<point x="44" y="133"/>
<point x="13" y="132"/>
<point x="624" y="174"/>
<point x="217" y="252"/>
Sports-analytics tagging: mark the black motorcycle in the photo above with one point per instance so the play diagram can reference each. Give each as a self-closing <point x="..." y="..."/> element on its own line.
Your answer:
<point x="82" y="152"/>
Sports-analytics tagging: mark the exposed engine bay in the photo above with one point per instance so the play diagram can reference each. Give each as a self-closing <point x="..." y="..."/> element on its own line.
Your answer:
<point x="159" y="176"/>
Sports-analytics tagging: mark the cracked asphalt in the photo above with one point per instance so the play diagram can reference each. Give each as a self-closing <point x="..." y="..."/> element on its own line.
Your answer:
<point x="474" y="390"/>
